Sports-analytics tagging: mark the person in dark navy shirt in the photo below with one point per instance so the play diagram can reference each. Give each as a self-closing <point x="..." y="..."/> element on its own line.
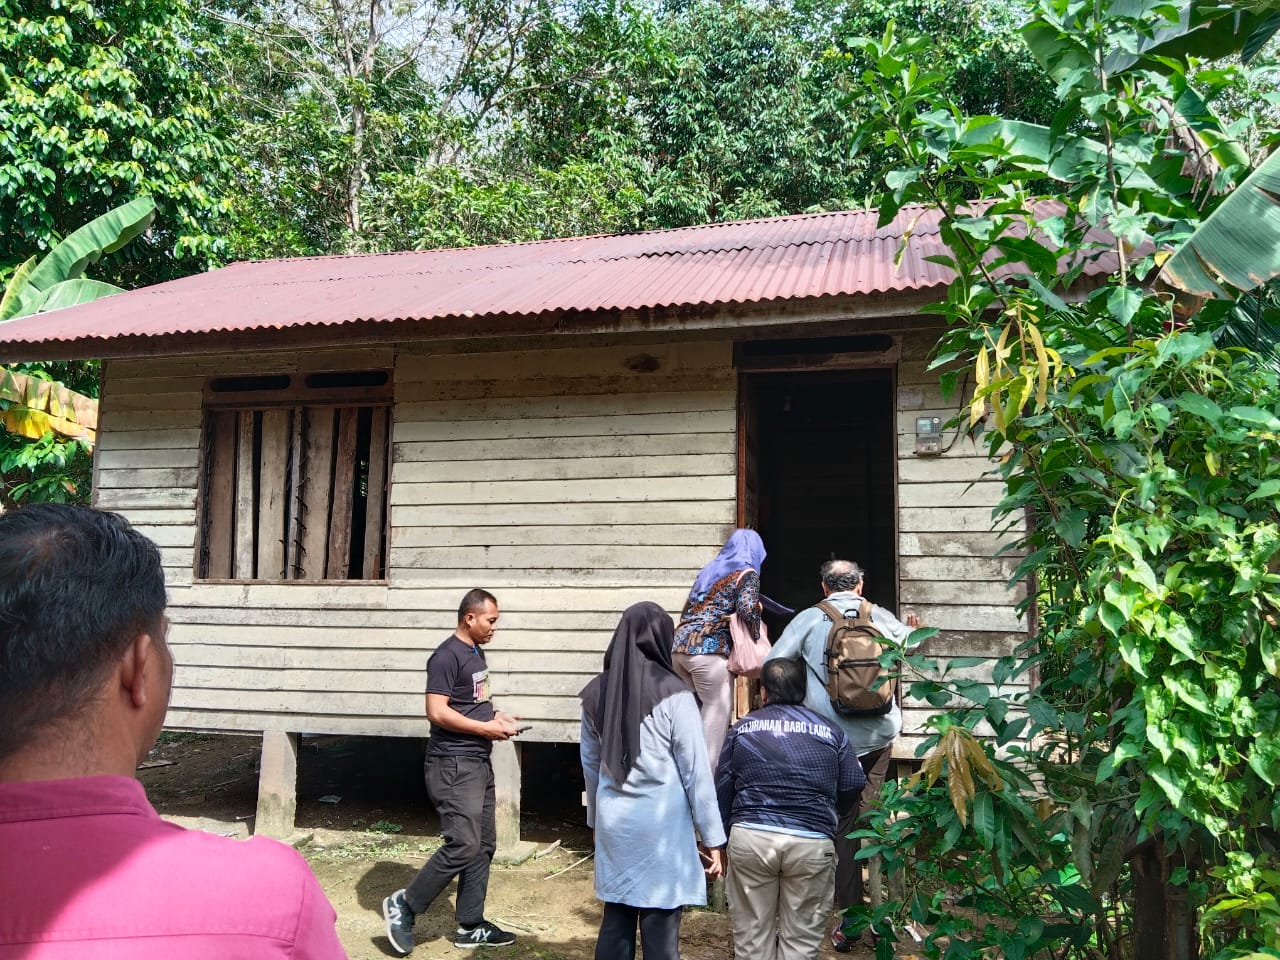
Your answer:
<point x="459" y="774"/>
<point x="783" y="776"/>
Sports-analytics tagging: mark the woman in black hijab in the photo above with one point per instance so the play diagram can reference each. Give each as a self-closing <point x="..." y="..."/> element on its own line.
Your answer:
<point x="649" y="787"/>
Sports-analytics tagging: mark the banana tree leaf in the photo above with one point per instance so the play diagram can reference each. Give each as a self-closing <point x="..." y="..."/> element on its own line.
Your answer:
<point x="15" y="293"/>
<point x="1059" y="55"/>
<point x="1260" y="37"/>
<point x="104" y="234"/>
<point x="1197" y="114"/>
<point x="1214" y="31"/>
<point x="1237" y="246"/>
<point x="1256" y="330"/>
<point x="34" y="424"/>
<point x="1033" y="148"/>
<point x="1251" y="322"/>
<point x="1163" y="33"/>
<point x="70" y="292"/>
<point x="48" y="396"/>
<point x="1206" y="28"/>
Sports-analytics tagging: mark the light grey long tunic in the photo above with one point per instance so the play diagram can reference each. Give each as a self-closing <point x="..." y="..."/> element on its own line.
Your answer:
<point x="646" y="851"/>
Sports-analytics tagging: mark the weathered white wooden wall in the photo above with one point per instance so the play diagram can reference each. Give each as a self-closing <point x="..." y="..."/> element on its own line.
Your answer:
<point x="949" y="573"/>
<point x="565" y="481"/>
<point x="570" y="482"/>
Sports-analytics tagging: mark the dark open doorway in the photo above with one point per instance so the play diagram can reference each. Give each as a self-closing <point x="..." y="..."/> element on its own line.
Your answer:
<point x="818" y="457"/>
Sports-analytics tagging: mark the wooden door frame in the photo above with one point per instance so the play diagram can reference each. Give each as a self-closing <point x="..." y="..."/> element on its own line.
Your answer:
<point x="843" y="364"/>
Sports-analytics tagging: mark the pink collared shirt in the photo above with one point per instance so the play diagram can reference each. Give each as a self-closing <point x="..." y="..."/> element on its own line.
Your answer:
<point x="89" y="870"/>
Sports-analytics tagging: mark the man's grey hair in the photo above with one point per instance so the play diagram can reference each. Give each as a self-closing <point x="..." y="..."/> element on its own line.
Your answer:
<point x="840" y="575"/>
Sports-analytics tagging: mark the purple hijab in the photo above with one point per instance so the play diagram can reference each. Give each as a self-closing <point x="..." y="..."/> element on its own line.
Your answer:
<point x="743" y="549"/>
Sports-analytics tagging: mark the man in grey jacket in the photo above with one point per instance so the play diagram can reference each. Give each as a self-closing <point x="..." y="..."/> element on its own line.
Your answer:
<point x="871" y="737"/>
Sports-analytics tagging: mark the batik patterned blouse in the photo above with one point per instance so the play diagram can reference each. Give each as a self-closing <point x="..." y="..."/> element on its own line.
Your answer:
<point x="704" y="622"/>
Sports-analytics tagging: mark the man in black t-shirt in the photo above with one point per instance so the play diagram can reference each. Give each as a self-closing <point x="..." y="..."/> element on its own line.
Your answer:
<point x="464" y="725"/>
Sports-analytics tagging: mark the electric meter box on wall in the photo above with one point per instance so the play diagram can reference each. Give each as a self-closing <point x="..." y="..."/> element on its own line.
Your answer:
<point x="928" y="436"/>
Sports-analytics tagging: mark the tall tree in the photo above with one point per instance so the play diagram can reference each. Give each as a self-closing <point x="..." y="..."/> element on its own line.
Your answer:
<point x="100" y="103"/>
<point x="336" y="96"/>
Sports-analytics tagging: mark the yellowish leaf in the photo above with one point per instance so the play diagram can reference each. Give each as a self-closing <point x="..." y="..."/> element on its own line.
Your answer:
<point x="62" y="410"/>
<point x="25" y="422"/>
<point x="977" y="409"/>
<point x="1042" y="366"/>
<point x="997" y="414"/>
<point x="1002" y="348"/>
<point x="1055" y="363"/>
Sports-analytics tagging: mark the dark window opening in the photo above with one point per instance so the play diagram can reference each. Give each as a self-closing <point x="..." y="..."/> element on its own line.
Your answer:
<point x="358" y="378"/>
<point x="243" y="384"/>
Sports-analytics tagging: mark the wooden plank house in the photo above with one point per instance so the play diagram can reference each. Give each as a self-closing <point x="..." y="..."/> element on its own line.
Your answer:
<point x="330" y="451"/>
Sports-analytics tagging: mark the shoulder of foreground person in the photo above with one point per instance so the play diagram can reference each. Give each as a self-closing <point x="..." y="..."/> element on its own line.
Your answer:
<point x="267" y="883"/>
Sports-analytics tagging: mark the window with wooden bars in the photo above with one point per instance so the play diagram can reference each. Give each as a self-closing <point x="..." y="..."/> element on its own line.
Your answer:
<point x="294" y="479"/>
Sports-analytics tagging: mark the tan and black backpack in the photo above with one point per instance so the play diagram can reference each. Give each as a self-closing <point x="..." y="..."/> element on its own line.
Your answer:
<point x="854" y="646"/>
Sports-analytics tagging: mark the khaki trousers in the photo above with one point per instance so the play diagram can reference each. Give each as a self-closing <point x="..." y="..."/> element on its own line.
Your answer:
<point x="779" y="890"/>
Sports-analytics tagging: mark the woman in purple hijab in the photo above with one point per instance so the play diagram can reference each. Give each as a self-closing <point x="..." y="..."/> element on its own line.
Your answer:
<point x="729" y="584"/>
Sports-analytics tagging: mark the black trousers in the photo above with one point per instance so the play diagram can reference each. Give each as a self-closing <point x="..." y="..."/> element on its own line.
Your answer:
<point x="461" y="788"/>
<point x="659" y="933"/>
<point x="848" y="870"/>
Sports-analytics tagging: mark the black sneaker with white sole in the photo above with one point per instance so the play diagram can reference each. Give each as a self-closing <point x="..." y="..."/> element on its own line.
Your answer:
<point x="483" y="934"/>
<point x="399" y="918"/>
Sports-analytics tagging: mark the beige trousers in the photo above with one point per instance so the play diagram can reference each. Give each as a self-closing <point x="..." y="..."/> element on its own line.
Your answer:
<point x="708" y="676"/>
<point x="779" y="890"/>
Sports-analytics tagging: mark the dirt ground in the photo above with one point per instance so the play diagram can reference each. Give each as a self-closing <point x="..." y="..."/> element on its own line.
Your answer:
<point x="371" y="825"/>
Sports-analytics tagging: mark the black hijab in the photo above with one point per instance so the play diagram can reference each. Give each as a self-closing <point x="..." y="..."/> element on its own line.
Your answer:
<point x="637" y="676"/>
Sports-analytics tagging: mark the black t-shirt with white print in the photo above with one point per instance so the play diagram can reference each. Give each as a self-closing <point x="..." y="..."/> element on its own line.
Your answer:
<point x="460" y="672"/>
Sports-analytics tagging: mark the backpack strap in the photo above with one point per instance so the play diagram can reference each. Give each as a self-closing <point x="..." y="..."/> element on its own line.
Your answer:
<point x="863" y="615"/>
<point x="834" y="613"/>
<point x="829" y="608"/>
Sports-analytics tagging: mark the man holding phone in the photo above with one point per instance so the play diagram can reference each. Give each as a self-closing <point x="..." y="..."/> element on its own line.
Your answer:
<point x="464" y="724"/>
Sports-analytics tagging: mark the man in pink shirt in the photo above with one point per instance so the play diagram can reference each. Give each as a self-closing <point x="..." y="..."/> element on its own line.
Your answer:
<point x="87" y="867"/>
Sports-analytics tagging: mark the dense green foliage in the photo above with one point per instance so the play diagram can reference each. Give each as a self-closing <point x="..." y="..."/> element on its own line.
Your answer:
<point x="541" y="120"/>
<point x="45" y="453"/>
<point x="100" y="104"/>
<point x="1136" y="789"/>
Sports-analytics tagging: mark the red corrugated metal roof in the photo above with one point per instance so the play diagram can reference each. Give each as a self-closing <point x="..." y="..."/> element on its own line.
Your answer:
<point x="724" y="264"/>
